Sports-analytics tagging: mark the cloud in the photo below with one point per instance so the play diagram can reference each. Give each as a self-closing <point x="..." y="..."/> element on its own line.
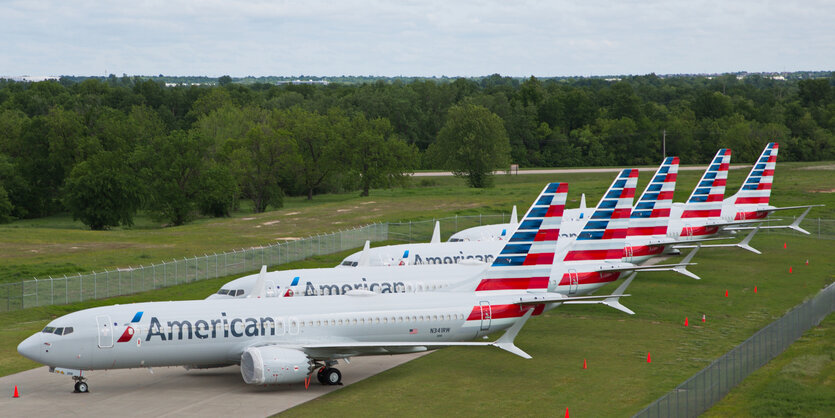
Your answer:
<point x="413" y="37"/>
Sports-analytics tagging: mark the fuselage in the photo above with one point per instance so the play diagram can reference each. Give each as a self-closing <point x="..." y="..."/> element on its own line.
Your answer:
<point x="215" y="332"/>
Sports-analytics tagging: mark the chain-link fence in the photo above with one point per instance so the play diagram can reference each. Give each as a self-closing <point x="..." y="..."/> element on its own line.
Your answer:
<point x="700" y="392"/>
<point x="123" y="281"/>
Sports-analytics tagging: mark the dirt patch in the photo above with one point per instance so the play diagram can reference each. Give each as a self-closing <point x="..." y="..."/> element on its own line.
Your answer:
<point x="247" y="219"/>
<point x="819" y="167"/>
<point x="343" y="210"/>
<point x="270" y="223"/>
<point x="368" y="203"/>
<point x="823" y="191"/>
<point x="291" y="213"/>
<point x="288" y="239"/>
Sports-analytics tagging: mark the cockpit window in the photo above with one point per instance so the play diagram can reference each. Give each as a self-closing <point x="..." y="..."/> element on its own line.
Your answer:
<point x="48" y="330"/>
<point x="239" y="293"/>
<point x="68" y="330"/>
<point x="59" y="331"/>
<point x="455" y="240"/>
<point x="223" y="292"/>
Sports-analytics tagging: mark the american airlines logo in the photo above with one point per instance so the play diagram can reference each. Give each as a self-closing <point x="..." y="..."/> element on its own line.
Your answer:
<point x="338" y="289"/>
<point x="452" y="259"/>
<point x="221" y="327"/>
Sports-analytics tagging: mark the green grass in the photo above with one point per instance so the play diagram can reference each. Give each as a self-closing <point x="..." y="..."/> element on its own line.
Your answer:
<point x="798" y="382"/>
<point x="619" y="381"/>
<point x="57" y="245"/>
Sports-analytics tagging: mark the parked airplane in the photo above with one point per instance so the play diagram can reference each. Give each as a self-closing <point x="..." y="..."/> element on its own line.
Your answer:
<point x="488" y="232"/>
<point x="286" y="340"/>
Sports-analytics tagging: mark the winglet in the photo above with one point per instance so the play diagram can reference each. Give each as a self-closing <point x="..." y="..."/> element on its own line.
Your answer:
<point x="514" y="218"/>
<point x="582" y="202"/>
<point x="745" y="243"/>
<point x="260" y="290"/>
<point x="364" y="257"/>
<point x="436" y="234"/>
<point x="614" y="301"/>
<point x="505" y="342"/>
<point x="683" y="269"/>
<point x="796" y="224"/>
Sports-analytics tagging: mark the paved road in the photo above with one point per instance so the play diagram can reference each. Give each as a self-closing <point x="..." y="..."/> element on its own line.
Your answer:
<point x="169" y="392"/>
<point x="576" y="170"/>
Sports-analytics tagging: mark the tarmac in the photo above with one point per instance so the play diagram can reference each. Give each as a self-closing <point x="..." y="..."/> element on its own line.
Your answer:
<point x="170" y="391"/>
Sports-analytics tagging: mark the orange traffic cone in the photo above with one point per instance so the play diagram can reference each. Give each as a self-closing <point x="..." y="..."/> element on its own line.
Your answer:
<point x="685" y="321"/>
<point x="16" y="394"/>
<point x="807" y="261"/>
<point x="790" y="270"/>
<point x="755" y="289"/>
<point x="704" y="318"/>
<point x="584" y="364"/>
<point x="726" y="292"/>
<point x="784" y="245"/>
<point x="566" y="412"/>
<point x="649" y="359"/>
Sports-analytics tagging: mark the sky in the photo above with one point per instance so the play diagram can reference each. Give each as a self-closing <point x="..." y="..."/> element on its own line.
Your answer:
<point x="414" y="38"/>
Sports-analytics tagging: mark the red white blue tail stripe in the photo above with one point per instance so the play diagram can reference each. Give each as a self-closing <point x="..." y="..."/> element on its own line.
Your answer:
<point x="756" y="190"/>
<point x="525" y="261"/>
<point x="652" y="212"/>
<point x="604" y="235"/>
<point x="706" y="200"/>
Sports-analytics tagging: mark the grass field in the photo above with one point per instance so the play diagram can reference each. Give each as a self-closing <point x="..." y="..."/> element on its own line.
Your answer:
<point x="57" y="245"/>
<point x="798" y="382"/>
<point x="487" y="381"/>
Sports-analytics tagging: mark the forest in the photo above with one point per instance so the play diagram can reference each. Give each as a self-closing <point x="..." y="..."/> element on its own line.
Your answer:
<point x="103" y="148"/>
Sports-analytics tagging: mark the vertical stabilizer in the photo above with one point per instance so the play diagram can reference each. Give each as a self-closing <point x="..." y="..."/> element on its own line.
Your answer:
<point x="604" y="235"/>
<point x="756" y="190"/>
<point x="436" y="234"/>
<point x="652" y="212"/>
<point x="525" y="261"/>
<point x="706" y="199"/>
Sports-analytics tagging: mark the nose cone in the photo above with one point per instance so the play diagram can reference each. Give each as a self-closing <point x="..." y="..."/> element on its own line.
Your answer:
<point x="31" y="348"/>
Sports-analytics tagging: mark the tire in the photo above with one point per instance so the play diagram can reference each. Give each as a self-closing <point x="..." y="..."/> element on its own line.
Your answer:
<point x="82" y="387"/>
<point x="76" y="388"/>
<point x="333" y="376"/>
<point x="320" y="375"/>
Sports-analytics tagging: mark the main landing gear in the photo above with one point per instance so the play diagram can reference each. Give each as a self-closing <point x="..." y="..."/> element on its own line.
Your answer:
<point x="80" y="384"/>
<point x="329" y="376"/>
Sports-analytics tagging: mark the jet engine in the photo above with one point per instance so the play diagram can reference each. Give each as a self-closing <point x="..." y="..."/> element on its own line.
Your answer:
<point x="274" y="365"/>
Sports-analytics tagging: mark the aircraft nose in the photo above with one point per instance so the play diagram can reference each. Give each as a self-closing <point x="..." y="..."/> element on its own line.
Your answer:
<point x="30" y="347"/>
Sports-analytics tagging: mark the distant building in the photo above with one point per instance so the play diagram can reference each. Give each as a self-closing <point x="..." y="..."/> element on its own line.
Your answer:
<point x="297" y="81"/>
<point x="31" y="78"/>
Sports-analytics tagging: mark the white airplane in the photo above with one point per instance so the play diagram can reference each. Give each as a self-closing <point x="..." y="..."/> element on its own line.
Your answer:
<point x="488" y="232"/>
<point x="287" y="340"/>
<point x="574" y="271"/>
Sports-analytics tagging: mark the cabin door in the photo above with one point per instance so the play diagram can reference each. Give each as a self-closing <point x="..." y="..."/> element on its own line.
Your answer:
<point x="486" y="315"/>
<point x="105" y="328"/>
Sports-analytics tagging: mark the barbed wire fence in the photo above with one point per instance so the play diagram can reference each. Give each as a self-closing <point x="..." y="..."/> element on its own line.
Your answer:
<point x="128" y="280"/>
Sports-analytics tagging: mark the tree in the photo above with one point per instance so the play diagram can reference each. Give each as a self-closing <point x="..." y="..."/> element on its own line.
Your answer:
<point x="317" y="142"/>
<point x="102" y="192"/>
<point x="174" y="167"/>
<point x="472" y="143"/>
<point x="375" y="155"/>
<point x="258" y="163"/>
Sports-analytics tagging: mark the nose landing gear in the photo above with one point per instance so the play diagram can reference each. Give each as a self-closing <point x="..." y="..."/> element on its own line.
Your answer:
<point x="80" y="385"/>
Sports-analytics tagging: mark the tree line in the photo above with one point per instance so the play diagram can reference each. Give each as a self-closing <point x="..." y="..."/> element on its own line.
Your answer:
<point x="104" y="148"/>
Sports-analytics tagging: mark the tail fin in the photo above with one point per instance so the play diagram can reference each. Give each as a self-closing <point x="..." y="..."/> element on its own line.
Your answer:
<point x="436" y="233"/>
<point x="652" y="213"/>
<point x="706" y="200"/>
<point x="514" y="219"/>
<point x="604" y="235"/>
<point x="756" y="190"/>
<point x="525" y="261"/>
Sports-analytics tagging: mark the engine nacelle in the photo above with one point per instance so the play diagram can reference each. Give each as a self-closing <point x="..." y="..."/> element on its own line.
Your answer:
<point x="274" y="365"/>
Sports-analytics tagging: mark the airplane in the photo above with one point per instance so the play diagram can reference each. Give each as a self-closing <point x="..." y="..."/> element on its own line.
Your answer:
<point x="488" y="232"/>
<point x="287" y="340"/>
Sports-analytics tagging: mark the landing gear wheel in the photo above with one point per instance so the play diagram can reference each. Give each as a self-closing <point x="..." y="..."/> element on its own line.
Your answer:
<point x="76" y="388"/>
<point x="320" y="376"/>
<point x="81" y="387"/>
<point x="332" y="376"/>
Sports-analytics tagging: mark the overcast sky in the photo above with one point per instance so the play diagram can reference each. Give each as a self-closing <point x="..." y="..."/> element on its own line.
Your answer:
<point x="413" y="38"/>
